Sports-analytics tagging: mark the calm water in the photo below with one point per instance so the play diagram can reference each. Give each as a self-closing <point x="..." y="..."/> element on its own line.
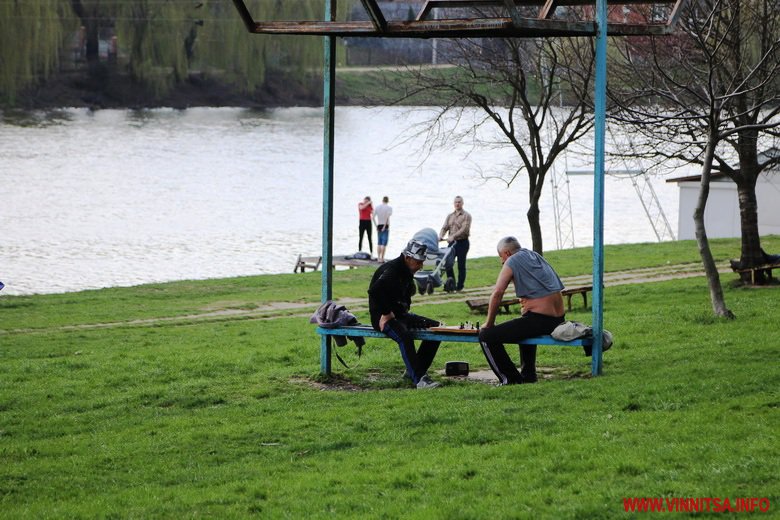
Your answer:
<point x="117" y="198"/>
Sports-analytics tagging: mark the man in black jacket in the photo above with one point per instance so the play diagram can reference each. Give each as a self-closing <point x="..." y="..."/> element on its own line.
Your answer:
<point x="389" y="300"/>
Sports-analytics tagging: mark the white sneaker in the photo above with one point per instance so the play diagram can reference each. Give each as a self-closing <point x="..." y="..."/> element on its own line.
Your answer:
<point x="426" y="382"/>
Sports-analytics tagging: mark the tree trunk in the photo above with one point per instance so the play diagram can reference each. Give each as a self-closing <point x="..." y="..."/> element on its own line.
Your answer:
<point x="751" y="254"/>
<point x="710" y="269"/>
<point x="534" y="227"/>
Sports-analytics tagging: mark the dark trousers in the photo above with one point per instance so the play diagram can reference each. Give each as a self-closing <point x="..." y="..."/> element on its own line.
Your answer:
<point x="461" y="249"/>
<point x="492" y="340"/>
<point x="365" y="226"/>
<point x="417" y="363"/>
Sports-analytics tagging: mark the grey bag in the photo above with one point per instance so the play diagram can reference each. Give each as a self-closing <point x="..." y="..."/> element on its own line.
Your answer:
<point x="569" y="330"/>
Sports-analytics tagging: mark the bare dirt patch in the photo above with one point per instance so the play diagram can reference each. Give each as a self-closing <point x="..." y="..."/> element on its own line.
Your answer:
<point x="544" y="373"/>
<point x="340" y="383"/>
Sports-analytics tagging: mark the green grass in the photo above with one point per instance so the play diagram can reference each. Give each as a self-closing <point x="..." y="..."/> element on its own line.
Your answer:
<point x="226" y="420"/>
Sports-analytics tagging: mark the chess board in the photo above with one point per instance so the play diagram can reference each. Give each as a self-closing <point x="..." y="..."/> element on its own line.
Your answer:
<point x="455" y="329"/>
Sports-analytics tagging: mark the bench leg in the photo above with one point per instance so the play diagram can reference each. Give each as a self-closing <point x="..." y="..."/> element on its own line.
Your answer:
<point x="325" y="355"/>
<point x="568" y="302"/>
<point x="585" y="299"/>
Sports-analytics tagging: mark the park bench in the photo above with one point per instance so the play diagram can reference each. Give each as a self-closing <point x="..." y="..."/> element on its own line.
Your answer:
<point x="307" y="263"/>
<point x="366" y="331"/>
<point x="754" y="270"/>
<point x="481" y="304"/>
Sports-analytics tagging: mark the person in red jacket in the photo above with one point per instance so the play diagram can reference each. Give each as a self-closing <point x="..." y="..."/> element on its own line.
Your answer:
<point x="366" y="211"/>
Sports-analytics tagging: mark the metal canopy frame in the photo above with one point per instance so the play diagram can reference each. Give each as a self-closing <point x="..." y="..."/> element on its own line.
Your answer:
<point x="544" y="25"/>
<point x="549" y="21"/>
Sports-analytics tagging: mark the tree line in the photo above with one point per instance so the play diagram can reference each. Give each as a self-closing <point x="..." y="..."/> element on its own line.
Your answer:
<point x="159" y="43"/>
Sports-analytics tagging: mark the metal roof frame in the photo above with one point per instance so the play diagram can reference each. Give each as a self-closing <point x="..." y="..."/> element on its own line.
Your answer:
<point x="544" y="25"/>
<point x="549" y="21"/>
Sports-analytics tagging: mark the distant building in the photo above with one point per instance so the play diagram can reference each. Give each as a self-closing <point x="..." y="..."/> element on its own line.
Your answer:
<point x="721" y="216"/>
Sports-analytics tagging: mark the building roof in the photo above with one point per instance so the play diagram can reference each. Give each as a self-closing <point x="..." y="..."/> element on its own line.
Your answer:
<point x="717" y="176"/>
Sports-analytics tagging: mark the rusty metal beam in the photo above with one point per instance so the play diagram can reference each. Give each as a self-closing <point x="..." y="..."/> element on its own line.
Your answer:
<point x="375" y="13"/>
<point x="472" y="28"/>
<point x="466" y="4"/>
<point x="514" y="14"/>
<point x="675" y="14"/>
<point x="548" y="9"/>
<point x="245" y="15"/>
<point x="429" y="29"/>
<point x="513" y="26"/>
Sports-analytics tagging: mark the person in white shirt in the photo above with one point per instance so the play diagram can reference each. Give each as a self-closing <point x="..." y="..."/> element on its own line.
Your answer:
<point x="382" y="220"/>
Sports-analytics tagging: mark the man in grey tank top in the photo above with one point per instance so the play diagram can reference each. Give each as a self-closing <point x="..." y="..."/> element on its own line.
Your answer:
<point x="539" y="289"/>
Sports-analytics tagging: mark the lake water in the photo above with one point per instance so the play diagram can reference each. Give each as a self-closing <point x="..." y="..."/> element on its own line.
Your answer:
<point x="119" y="198"/>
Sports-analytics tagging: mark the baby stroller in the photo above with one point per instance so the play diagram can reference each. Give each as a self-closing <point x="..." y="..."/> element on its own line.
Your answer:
<point x="443" y="259"/>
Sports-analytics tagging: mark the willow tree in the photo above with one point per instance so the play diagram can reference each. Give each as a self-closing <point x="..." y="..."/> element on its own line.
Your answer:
<point x="222" y="48"/>
<point x="152" y="34"/>
<point x="165" y="41"/>
<point x="32" y="35"/>
<point x="159" y="42"/>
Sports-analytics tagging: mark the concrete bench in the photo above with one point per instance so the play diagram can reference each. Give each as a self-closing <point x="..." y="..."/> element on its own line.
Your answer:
<point x="481" y="304"/>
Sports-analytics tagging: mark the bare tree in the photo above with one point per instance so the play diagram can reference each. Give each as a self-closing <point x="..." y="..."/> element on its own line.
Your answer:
<point x="519" y="86"/>
<point x="708" y="96"/>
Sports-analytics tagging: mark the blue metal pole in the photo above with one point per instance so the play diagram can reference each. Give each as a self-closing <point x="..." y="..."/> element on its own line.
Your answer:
<point x="328" y="102"/>
<point x="600" y="102"/>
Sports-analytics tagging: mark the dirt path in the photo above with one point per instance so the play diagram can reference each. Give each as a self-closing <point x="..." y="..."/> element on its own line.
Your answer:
<point x="274" y="310"/>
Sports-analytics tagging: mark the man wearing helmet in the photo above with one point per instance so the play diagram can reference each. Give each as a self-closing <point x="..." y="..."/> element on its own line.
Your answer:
<point x="389" y="300"/>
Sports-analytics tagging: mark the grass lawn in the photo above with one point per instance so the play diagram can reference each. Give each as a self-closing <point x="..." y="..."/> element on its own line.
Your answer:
<point x="227" y="418"/>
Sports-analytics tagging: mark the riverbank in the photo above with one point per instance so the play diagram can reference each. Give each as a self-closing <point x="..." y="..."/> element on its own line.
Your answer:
<point x="355" y="86"/>
<point x="229" y="418"/>
<point x="76" y="89"/>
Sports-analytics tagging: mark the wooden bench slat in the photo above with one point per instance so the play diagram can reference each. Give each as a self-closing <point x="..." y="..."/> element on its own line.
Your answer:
<point x="452" y="337"/>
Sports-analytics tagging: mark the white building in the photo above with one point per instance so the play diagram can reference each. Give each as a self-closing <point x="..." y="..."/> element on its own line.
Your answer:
<point x="721" y="217"/>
